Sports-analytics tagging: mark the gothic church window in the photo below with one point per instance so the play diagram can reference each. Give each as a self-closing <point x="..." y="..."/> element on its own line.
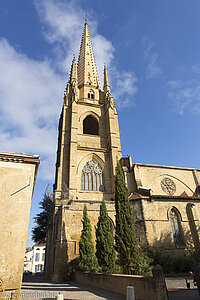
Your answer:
<point x="92" y="177"/>
<point x="176" y="228"/>
<point x="90" y="125"/>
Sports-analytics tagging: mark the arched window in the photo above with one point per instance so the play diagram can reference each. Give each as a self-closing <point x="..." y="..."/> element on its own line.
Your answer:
<point x="90" y="125"/>
<point x="192" y="224"/>
<point x="176" y="228"/>
<point x="90" y="94"/>
<point x="92" y="177"/>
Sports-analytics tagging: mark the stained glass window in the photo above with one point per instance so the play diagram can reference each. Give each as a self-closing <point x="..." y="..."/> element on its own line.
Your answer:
<point x="90" y="181"/>
<point x="176" y="228"/>
<point x="94" y="181"/>
<point x="92" y="177"/>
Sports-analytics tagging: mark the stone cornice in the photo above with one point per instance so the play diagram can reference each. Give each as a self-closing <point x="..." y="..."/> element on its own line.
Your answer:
<point x="163" y="167"/>
<point x="174" y="197"/>
<point x="92" y="149"/>
<point x="21" y="158"/>
<point x="90" y="104"/>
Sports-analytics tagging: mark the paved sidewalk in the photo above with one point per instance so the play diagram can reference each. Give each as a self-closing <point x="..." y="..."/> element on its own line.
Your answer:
<point x="40" y="288"/>
<point x="178" y="290"/>
<point x="70" y="290"/>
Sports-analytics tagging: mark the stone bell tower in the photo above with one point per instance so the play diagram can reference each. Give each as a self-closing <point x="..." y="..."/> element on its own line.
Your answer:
<point x="88" y="150"/>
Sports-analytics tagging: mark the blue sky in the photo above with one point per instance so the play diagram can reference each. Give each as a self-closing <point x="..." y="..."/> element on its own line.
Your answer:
<point x="152" y="51"/>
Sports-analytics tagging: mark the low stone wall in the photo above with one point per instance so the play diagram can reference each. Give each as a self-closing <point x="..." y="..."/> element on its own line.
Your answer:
<point x="146" y="288"/>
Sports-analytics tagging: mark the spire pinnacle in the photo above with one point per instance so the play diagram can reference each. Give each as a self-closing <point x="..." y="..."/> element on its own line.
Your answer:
<point x="73" y="74"/>
<point x="87" y="70"/>
<point x="106" y="86"/>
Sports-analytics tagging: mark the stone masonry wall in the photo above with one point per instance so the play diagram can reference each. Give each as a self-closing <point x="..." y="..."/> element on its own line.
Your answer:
<point x="16" y="188"/>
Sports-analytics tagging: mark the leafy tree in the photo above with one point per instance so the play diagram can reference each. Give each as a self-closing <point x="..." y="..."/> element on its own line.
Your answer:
<point x="131" y="258"/>
<point x="42" y="219"/>
<point x="28" y="249"/>
<point x="105" y="251"/>
<point x="88" y="260"/>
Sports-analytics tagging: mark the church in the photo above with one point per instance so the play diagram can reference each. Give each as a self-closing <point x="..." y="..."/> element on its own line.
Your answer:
<point x="165" y="200"/>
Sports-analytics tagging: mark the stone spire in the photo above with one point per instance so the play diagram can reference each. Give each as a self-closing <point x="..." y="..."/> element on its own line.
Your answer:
<point x="87" y="70"/>
<point x="106" y="86"/>
<point x="73" y="74"/>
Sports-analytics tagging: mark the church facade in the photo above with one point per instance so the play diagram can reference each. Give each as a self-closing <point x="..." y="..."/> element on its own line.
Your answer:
<point x="165" y="200"/>
<point x="166" y="206"/>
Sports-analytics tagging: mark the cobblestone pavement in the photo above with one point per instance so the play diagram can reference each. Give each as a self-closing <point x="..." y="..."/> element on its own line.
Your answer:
<point x="177" y="289"/>
<point x="70" y="290"/>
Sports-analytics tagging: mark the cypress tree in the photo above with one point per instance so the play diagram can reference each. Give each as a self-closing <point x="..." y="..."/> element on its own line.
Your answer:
<point x="88" y="260"/>
<point x="105" y="251"/>
<point x="131" y="258"/>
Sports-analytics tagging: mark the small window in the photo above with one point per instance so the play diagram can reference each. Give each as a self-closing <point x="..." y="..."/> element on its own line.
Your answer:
<point x="90" y="125"/>
<point x="43" y="256"/>
<point x="90" y="94"/>
<point x="37" y="257"/>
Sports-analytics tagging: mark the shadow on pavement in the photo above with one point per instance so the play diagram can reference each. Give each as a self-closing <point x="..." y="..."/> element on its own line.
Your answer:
<point x="71" y="290"/>
<point x="184" y="294"/>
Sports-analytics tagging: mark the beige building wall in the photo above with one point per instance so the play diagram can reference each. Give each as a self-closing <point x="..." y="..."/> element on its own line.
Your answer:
<point x="17" y="179"/>
<point x="158" y="227"/>
<point x="155" y="192"/>
<point x="151" y="177"/>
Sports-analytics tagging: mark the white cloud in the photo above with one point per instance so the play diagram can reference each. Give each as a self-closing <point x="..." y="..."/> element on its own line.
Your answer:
<point x="29" y="108"/>
<point x="63" y="26"/>
<point x="31" y="91"/>
<point x="185" y="95"/>
<point x="103" y="55"/>
<point x="125" y="88"/>
<point x="174" y="83"/>
<point x="151" y="57"/>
